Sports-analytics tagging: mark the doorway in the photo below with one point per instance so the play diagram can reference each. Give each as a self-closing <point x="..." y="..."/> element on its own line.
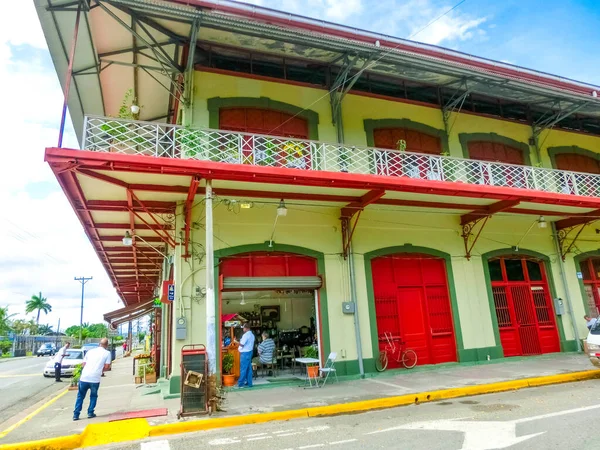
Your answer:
<point x="412" y="303"/>
<point x="523" y="306"/>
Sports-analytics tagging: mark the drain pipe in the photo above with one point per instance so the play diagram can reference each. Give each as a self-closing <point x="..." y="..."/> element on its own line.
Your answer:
<point x="563" y="274"/>
<point x="353" y="296"/>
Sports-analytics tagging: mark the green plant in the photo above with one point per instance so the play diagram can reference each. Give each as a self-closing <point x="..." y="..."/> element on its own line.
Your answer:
<point x="5" y="347"/>
<point x="76" y="374"/>
<point x="189" y="140"/>
<point x="145" y="366"/>
<point x="227" y="363"/>
<point x="311" y="352"/>
<point x="401" y="145"/>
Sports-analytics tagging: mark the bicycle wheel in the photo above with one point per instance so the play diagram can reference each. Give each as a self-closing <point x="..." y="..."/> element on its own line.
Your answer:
<point x="409" y="359"/>
<point x="381" y="363"/>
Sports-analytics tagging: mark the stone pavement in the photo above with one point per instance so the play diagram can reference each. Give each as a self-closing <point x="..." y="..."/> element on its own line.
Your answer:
<point x="119" y="394"/>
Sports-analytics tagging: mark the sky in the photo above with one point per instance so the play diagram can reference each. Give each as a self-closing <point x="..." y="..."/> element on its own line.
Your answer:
<point x="42" y="244"/>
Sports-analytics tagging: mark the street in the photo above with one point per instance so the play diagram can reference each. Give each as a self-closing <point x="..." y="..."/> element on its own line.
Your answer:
<point x="22" y="385"/>
<point x="559" y="416"/>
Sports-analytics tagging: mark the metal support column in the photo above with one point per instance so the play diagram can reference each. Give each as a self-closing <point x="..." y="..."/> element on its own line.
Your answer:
<point x="353" y="296"/>
<point x="211" y="337"/>
<point x="563" y="274"/>
<point x="69" y="77"/>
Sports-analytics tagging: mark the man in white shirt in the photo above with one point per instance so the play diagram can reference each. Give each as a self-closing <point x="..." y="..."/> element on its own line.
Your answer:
<point x="58" y="358"/>
<point x="246" y="349"/>
<point x="95" y="362"/>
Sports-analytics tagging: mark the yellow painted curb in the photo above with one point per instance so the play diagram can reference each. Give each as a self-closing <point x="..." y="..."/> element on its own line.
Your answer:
<point x="135" y="429"/>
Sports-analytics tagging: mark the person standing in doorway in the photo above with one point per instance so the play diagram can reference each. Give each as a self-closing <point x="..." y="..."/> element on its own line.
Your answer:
<point x="246" y="350"/>
<point x="58" y="359"/>
<point x="96" y="361"/>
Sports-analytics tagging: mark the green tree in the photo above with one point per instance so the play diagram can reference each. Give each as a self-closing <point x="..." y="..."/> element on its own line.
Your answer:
<point x="97" y="330"/>
<point x="5" y="322"/>
<point x="5" y="347"/>
<point x="20" y="326"/>
<point x="44" y="330"/>
<point x="73" y="331"/>
<point x="38" y="303"/>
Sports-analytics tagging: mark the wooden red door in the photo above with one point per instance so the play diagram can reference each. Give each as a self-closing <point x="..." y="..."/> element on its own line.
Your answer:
<point x="261" y="150"/>
<point x="412" y="303"/>
<point x="495" y="152"/>
<point x="523" y="306"/>
<point x="590" y="272"/>
<point x="398" y="163"/>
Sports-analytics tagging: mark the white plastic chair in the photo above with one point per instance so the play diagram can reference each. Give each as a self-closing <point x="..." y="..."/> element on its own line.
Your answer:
<point x="329" y="368"/>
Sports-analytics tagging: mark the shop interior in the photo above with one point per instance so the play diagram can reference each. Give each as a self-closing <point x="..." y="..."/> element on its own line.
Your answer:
<point x="288" y="316"/>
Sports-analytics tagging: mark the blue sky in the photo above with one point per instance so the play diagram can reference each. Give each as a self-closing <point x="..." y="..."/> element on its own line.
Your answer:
<point x="43" y="245"/>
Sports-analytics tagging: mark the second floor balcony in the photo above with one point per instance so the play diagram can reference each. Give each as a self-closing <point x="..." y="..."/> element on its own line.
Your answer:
<point x="161" y="140"/>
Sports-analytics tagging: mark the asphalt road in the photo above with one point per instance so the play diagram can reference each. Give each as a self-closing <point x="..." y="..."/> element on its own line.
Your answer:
<point x="23" y="385"/>
<point x="552" y="417"/>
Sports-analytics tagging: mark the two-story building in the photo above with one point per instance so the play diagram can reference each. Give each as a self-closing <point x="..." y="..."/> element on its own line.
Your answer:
<point x="326" y="183"/>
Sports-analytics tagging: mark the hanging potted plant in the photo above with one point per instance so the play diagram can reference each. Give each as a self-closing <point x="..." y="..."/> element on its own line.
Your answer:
<point x="312" y="352"/>
<point x="227" y="365"/>
<point x="75" y="378"/>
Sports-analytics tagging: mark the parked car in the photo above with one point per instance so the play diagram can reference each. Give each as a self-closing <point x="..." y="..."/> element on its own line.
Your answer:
<point x="46" y="350"/>
<point x="593" y="344"/>
<point x="86" y="347"/>
<point x="72" y="358"/>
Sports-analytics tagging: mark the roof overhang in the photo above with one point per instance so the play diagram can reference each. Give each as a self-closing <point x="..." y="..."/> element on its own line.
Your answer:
<point x="149" y="56"/>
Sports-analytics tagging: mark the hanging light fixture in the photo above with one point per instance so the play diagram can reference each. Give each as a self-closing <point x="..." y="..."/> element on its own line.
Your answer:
<point x="281" y="209"/>
<point x="246" y="205"/>
<point x="127" y="239"/>
<point x="542" y="222"/>
<point x="135" y="108"/>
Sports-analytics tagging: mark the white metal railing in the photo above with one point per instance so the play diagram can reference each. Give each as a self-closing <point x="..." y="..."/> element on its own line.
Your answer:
<point x="172" y="141"/>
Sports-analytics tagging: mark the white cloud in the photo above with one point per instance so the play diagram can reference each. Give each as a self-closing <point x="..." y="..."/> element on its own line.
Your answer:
<point x="43" y="244"/>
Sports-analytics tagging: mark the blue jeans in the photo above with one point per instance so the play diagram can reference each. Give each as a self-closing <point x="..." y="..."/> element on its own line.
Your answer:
<point x="245" y="369"/>
<point x="84" y="386"/>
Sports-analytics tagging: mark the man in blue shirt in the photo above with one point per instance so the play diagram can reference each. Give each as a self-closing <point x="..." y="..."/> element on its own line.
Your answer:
<point x="246" y="350"/>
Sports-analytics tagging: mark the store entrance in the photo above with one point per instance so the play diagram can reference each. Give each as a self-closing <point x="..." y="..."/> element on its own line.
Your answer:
<point x="276" y="294"/>
<point x="286" y="317"/>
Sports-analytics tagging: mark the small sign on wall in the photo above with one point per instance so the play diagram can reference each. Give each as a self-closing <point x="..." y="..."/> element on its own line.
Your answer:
<point x="580" y="275"/>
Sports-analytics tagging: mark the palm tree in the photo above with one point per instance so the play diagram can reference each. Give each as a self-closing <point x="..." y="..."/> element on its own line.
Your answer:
<point x="39" y="303"/>
<point x="5" y="323"/>
<point x="45" y="330"/>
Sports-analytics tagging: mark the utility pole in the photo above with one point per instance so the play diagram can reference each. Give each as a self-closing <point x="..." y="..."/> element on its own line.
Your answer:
<point x="82" y="280"/>
<point x="57" y="331"/>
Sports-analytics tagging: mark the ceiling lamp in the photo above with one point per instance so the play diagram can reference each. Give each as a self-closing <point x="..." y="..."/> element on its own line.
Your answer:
<point x="281" y="209"/>
<point x="246" y="205"/>
<point x="542" y="222"/>
<point x="127" y="239"/>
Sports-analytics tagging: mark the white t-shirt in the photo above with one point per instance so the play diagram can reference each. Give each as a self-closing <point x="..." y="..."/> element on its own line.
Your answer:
<point x="58" y="357"/>
<point x="95" y="360"/>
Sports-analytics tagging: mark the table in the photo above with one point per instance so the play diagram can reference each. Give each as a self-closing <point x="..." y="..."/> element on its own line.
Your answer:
<point x="309" y="362"/>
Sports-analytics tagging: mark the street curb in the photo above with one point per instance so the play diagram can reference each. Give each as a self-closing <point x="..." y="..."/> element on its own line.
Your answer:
<point x="135" y="429"/>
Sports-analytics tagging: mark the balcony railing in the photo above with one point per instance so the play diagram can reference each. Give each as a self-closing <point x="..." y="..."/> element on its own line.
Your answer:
<point x="172" y="141"/>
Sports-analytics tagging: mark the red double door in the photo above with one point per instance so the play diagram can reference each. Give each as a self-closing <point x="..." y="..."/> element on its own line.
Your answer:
<point x="523" y="306"/>
<point x="412" y="303"/>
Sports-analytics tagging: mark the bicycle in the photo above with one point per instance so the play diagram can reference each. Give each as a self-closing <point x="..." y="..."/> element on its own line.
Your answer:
<point x="407" y="357"/>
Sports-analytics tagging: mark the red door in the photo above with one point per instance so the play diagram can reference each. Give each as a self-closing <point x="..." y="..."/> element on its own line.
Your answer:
<point x="262" y="150"/>
<point x="523" y="306"/>
<point x="412" y="303"/>
<point x="495" y="152"/>
<point x="590" y="270"/>
<point x="400" y="163"/>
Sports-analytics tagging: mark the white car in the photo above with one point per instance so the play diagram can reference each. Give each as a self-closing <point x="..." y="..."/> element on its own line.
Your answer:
<point x="73" y="357"/>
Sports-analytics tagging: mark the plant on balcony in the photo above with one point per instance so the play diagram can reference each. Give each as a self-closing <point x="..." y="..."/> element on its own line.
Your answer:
<point x="294" y="154"/>
<point x="122" y="136"/>
<point x="190" y="141"/>
<point x="401" y="145"/>
<point x="266" y="154"/>
<point x="448" y="167"/>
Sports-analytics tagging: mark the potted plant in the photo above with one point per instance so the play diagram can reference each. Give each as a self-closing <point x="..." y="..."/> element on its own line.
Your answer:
<point x="150" y="374"/>
<point x="144" y="368"/>
<point x="312" y="352"/>
<point x="227" y="366"/>
<point x="75" y="378"/>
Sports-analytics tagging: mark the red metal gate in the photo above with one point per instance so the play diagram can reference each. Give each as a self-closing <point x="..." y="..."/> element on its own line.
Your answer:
<point x="412" y="302"/>
<point x="523" y="306"/>
<point x="590" y="270"/>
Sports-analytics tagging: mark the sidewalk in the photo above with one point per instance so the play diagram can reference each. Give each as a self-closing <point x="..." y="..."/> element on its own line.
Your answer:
<point x="119" y="394"/>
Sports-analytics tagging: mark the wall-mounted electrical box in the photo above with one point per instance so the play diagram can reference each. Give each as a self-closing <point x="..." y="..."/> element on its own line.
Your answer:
<point x="181" y="328"/>
<point x="559" y="306"/>
<point x="348" y="307"/>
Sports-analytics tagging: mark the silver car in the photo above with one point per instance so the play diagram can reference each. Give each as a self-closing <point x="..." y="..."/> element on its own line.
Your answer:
<point x="73" y="357"/>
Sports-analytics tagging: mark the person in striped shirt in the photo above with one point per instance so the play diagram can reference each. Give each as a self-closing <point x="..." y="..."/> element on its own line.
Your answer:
<point x="266" y="349"/>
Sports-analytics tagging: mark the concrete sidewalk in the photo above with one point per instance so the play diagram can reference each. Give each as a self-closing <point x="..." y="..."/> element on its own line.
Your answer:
<point x="119" y="394"/>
